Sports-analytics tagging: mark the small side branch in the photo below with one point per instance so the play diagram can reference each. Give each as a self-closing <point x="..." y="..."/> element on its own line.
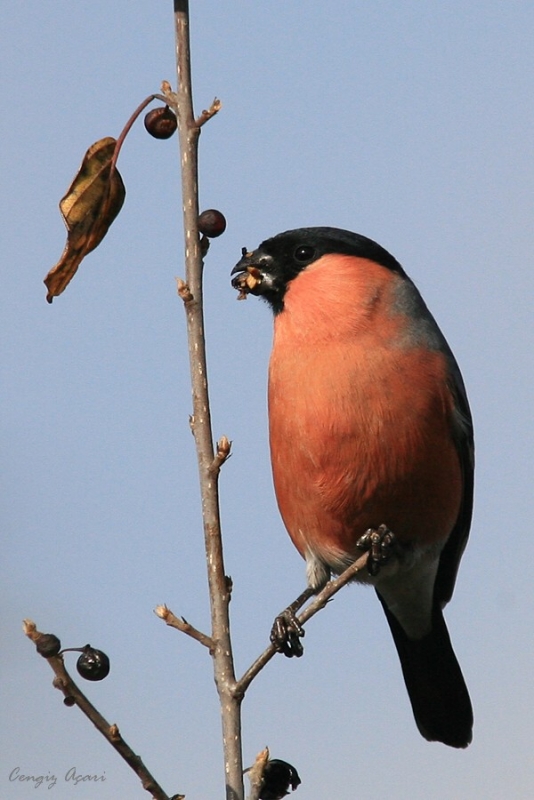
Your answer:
<point x="320" y="601"/>
<point x="224" y="445"/>
<point x="182" y="625"/>
<point x="74" y="696"/>
<point x="207" y="114"/>
<point x="255" y="774"/>
<point x="140" y="108"/>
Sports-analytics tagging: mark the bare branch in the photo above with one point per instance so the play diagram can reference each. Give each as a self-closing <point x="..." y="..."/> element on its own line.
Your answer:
<point x="255" y="774"/>
<point x="320" y="601"/>
<point x="183" y="625"/>
<point x="75" y="696"/>
<point x="224" y="671"/>
<point x="209" y="113"/>
<point x="122" y="136"/>
<point x="224" y="446"/>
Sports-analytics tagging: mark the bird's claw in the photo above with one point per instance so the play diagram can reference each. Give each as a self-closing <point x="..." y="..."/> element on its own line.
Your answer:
<point x="380" y="543"/>
<point x="286" y="634"/>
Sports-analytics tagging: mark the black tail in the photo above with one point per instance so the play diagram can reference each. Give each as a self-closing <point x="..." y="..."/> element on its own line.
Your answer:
<point x="435" y="684"/>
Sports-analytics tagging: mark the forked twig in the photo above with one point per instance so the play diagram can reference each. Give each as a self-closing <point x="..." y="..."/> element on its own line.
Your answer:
<point x="318" y="603"/>
<point x="65" y="684"/>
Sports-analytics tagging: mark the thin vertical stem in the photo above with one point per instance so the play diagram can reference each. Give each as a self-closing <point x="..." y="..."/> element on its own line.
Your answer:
<point x="219" y="587"/>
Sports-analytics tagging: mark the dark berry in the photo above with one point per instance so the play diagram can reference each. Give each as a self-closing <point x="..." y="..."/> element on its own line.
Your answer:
<point x="48" y="645"/>
<point x="211" y="223"/>
<point x="69" y="701"/>
<point x="161" y="122"/>
<point x="278" y="776"/>
<point x="93" y="665"/>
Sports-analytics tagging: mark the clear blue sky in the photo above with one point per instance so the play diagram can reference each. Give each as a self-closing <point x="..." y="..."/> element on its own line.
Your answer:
<point x="409" y="122"/>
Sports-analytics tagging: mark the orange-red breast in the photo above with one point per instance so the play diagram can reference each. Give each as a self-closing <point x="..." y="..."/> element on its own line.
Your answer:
<point x="370" y="425"/>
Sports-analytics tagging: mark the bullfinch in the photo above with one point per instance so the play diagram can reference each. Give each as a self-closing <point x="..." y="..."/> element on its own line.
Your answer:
<point x="371" y="443"/>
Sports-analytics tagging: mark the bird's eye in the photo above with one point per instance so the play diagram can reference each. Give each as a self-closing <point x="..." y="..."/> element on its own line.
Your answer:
<point x="304" y="253"/>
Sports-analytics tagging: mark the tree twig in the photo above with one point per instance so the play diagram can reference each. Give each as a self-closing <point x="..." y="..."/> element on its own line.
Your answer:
<point x="255" y="774"/>
<point x="126" y="129"/>
<point x="64" y="683"/>
<point x="183" y="625"/>
<point x="222" y="454"/>
<point x="318" y="603"/>
<point x="189" y="131"/>
<point x="207" y="114"/>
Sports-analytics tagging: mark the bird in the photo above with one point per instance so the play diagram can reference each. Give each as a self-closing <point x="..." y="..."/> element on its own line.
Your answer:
<point x="371" y="443"/>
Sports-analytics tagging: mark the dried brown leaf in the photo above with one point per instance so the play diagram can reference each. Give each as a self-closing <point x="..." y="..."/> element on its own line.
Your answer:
<point x="90" y="205"/>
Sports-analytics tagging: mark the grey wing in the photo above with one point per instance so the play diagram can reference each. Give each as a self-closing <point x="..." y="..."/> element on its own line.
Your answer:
<point x="463" y="435"/>
<point x="424" y="330"/>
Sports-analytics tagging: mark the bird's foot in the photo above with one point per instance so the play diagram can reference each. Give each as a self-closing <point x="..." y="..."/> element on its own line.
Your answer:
<point x="286" y="634"/>
<point x="380" y="543"/>
<point x="287" y="631"/>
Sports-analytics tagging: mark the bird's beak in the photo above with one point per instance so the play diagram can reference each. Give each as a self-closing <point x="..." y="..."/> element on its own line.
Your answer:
<point x="252" y="274"/>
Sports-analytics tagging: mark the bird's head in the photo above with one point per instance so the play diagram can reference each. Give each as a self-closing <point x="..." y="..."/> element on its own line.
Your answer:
<point x="268" y="270"/>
